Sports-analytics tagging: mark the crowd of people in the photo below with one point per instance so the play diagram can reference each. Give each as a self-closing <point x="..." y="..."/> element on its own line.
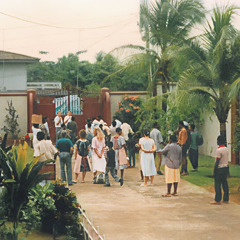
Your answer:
<point x="101" y="149"/>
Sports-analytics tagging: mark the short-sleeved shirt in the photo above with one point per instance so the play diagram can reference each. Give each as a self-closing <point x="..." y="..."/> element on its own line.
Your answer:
<point x="64" y="145"/>
<point x="193" y="145"/>
<point x="222" y="154"/>
<point x="156" y="135"/>
<point x="173" y="155"/>
<point x="67" y="119"/>
<point x="56" y="120"/>
<point x="46" y="147"/>
<point x="111" y="158"/>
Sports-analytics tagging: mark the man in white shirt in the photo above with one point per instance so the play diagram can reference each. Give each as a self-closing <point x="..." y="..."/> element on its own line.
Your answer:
<point x="58" y="122"/>
<point x="126" y="129"/>
<point x="119" y="124"/>
<point x="68" y="118"/>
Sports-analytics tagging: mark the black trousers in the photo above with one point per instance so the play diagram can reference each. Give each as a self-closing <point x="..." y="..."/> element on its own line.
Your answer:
<point x="193" y="157"/>
<point x="221" y="182"/>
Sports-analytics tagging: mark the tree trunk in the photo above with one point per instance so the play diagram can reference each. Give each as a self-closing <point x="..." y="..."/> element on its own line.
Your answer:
<point x="223" y="131"/>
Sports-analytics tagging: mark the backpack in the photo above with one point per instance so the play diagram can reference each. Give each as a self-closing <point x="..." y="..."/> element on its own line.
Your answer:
<point x="199" y="139"/>
<point x="100" y="179"/>
<point x="82" y="148"/>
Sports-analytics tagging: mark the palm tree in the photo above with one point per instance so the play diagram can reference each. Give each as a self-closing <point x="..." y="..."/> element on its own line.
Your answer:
<point x="212" y="71"/>
<point x="163" y="24"/>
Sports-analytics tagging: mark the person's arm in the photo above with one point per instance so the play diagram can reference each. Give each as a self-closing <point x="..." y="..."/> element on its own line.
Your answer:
<point x="60" y="118"/>
<point x="66" y="119"/>
<point x="216" y="166"/>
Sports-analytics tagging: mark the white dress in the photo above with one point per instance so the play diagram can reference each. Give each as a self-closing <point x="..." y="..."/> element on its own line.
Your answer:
<point x="98" y="164"/>
<point x="147" y="159"/>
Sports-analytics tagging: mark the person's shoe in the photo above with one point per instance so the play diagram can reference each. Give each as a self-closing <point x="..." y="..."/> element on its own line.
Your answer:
<point x="107" y="185"/>
<point x="74" y="182"/>
<point x="185" y="173"/>
<point x="226" y="202"/>
<point x="194" y="170"/>
<point x="159" y="173"/>
<point x="121" y="182"/>
<point x="215" y="203"/>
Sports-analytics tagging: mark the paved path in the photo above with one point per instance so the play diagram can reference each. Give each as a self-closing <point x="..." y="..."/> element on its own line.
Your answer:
<point x="132" y="212"/>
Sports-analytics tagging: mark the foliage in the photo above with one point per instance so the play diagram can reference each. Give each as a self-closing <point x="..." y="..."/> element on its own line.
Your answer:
<point x="213" y="67"/>
<point x="127" y="109"/>
<point x="57" y="208"/>
<point x="11" y="120"/>
<point x="236" y="144"/>
<point x="19" y="177"/>
<point x="86" y="75"/>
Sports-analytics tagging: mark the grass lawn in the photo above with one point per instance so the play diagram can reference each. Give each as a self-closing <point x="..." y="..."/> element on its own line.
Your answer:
<point x="204" y="177"/>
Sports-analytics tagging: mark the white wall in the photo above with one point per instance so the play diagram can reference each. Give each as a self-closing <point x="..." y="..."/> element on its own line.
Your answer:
<point x="13" y="76"/>
<point x="210" y="130"/>
<point x="20" y="104"/>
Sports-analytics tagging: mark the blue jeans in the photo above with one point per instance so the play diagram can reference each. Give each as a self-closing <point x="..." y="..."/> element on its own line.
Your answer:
<point x="131" y="156"/>
<point x="66" y="159"/>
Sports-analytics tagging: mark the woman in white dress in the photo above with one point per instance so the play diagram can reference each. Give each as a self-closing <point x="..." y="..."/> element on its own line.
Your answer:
<point x="148" y="148"/>
<point x="98" y="146"/>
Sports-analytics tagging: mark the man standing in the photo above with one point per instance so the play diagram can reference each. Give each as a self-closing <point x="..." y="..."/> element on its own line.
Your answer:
<point x="58" y="123"/>
<point x="68" y="118"/>
<point x="65" y="147"/>
<point x="126" y="129"/>
<point x="193" y="150"/>
<point x="220" y="173"/>
<point x="156" y="135"/>
<point x="182" y="139"/>
<point x="118" y="123"/>
<point x="72" y="127"/>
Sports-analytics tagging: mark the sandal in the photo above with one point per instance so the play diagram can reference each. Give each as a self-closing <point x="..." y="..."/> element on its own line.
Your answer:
<point x="143" y="185"/>
<point x="166" y="195"/>
<point x="174" y="194"/>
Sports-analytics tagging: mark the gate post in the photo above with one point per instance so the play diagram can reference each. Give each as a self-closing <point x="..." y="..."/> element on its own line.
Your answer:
<point x="106" y="105"/>
<point x="31" y="107"/>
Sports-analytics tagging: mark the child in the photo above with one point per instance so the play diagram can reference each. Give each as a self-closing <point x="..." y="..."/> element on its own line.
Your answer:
<point x="220" y="173"/>
<point x="111" y="166"/>
<point x="131" y="149"/>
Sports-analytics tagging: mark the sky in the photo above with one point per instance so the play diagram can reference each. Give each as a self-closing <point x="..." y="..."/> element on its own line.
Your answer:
<point x="60" y="27"/>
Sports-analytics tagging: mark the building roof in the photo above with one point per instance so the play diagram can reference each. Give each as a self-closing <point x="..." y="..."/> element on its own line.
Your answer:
<point x="15" y="57"/>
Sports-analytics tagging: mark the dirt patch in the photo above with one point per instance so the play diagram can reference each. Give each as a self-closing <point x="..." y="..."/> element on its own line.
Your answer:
<point x="234" y="194"/>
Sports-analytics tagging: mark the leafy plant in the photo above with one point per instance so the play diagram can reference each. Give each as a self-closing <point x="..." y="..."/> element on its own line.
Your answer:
<point x="11" y="121"/>
<point x="128" y="107"/>
<point x="19" y="177"/>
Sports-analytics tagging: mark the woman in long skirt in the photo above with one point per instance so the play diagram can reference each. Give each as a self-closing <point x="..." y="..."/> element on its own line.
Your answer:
<point x="98" y="159"/>
<point x="147" y="157"/>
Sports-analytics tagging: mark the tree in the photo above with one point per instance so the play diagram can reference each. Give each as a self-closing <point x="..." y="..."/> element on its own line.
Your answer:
<point x="163" y="24"/>
<point x="212" y="71"/>
<point x="11" y="121"/>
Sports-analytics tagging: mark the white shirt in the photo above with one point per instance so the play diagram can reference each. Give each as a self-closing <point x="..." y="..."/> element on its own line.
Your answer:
<point x="126" y="129"/>
<point x="67" y="119"/>
<point x="118" y="123"/>
<point x="47" y="128"/>
<point x="46" y="148"/>
<point x="222" y="154"/>
<point x="56" y="119"/>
